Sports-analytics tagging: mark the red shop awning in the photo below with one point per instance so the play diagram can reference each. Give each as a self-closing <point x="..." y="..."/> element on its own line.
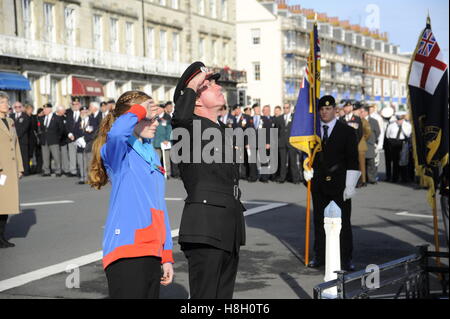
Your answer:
<point x="86" y="87"/>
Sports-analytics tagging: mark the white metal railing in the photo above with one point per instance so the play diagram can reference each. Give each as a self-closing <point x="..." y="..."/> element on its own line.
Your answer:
<point x="61" y="53"/>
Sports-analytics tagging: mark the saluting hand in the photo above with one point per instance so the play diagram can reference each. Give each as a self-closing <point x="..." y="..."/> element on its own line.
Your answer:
<point x="198" y="81"/>
<point x="151" y="108"/>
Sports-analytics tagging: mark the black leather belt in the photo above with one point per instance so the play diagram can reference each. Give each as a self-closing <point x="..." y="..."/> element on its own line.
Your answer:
<point x="235" y="191"/>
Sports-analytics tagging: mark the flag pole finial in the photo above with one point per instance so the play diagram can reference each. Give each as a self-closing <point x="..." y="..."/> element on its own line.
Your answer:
<point x="428" y="18"/>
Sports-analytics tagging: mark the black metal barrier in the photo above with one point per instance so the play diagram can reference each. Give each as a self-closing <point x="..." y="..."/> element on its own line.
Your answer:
<point x="409" y="276"/>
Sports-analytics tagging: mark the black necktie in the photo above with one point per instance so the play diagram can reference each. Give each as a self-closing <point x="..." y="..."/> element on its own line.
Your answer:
<point x="325" y="134"/>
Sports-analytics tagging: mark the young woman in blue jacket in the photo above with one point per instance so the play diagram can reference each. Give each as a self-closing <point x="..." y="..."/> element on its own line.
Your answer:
<point x="137" y="237"/>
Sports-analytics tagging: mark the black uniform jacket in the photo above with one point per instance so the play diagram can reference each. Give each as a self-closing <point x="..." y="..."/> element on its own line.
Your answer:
<point x="331" y="164"/>
<point x="267" y="124"/>
<point x="89" y="136"/>
<point x="284" y="130"/>
<point x="23" y="128"/>
<point x="356" y="123"/>
<point x="213" y="213"/>
<point x="52" y="134"/>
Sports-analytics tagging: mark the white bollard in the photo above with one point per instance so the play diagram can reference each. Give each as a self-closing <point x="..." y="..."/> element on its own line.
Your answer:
<point x="332" y="225"/>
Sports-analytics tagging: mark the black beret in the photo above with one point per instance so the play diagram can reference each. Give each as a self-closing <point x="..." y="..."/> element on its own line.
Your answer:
<point x="162" y="105"/>
<point x="348" y="102"/>
<point x="327" y="100"/>
<point x="194" y="69"/>
<point x="76" y="99"/>
<point x="235" y="106"/>
<point x="357" y="105"/>
<point x="84" y="108"/>
<point x="48" y="105"/>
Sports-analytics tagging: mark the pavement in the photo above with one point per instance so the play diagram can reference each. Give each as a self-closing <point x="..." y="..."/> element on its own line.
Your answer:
<point x="61" y="228"/>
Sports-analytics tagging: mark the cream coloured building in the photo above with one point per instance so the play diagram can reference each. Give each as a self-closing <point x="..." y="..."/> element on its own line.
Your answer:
<point x="99" y="49"/>
<point x="273" y="47"/>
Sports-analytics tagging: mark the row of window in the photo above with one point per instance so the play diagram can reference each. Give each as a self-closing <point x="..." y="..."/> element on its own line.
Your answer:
<point x="161" y="43"/>
<point x="219" y="54"/>
<point x="381" y="66"/>
<point x="213" y="8"/>
<point x="204" y="7"/>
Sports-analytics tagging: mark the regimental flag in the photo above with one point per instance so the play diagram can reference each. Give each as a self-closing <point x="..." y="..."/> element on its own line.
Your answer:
<point x="305" y="130"/>
<point x="428" y="106"/>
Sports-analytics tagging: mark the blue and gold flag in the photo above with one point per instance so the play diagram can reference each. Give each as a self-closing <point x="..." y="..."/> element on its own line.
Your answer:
<point x="305" y="130"/>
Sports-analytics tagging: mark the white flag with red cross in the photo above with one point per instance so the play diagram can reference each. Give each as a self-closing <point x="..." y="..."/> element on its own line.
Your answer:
<point x="428" y="65"/>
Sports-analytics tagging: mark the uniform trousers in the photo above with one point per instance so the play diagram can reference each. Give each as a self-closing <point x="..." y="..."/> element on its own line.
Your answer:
<point x="320" y="202"/>
<point x="3" y="220"/>
<point x="371" y="169"/>
<point x="288" y="159"/>
<point x="362" y="165"/>
<point x="388" y="158"/>
<point x="212" y="271"/>
<point x="83" y="160"/>
<point x="72" y="152"/>
<point x="398" y="171"/>
<point x="24" y="151"/>
<point x="65" y="164"/>
<point x="265" y="168"/>
<point x="134" y="278"/>
<point x="55" y="151"/>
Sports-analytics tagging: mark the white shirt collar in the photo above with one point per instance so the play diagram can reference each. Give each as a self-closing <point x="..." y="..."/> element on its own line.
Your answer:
<point x="330" y="125"/>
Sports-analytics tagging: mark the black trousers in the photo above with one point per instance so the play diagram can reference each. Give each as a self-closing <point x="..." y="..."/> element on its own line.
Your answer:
<point x="134" y="278"/>
<point x="388" y="158"/>
<point x="25" y="158"/>
<point x="212" y="271"/>
<point x="288" y="159"/>
<point x="320" y="202"/>
<point x="398" y="171"/>
<point x="265" y="177"/>
<point x="3" y="220"/>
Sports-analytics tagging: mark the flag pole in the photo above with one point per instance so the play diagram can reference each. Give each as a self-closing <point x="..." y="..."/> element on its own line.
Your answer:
<point x="436" y="233"/>
<point x="308" y="222"/>
<point x="313" y="101"/>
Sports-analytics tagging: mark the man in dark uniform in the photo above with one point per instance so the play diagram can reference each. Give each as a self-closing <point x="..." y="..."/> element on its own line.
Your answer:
<point x="353" y="120"/>
<point x="72" y="120"/>
<point x="22" y="122"/>
<point x="287" y="153"/>
<point x="226" y="117"/>
<point x="52" y="129"/>
<point x="212" y="226"/>
<point x="85" y="131"/>
<point x="264" y="127"/>
<point x="245" y="122"/>
<point x="334" y="177"/>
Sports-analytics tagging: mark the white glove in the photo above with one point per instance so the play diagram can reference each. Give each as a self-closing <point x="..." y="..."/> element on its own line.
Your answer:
<point x="379" y="148"/>
<point x="80" y="142"/>
<point x="350" y="183"/>
<point x="308" y="174"/>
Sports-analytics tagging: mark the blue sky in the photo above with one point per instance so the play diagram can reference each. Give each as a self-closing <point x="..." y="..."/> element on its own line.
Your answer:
<point x="402" y="19"/>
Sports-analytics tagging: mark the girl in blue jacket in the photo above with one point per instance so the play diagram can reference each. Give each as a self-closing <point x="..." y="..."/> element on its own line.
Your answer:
<point x="137" y="237"/>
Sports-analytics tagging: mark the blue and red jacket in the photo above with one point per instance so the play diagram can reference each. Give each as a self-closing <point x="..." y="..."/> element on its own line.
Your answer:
<point x="137" y="223"/>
